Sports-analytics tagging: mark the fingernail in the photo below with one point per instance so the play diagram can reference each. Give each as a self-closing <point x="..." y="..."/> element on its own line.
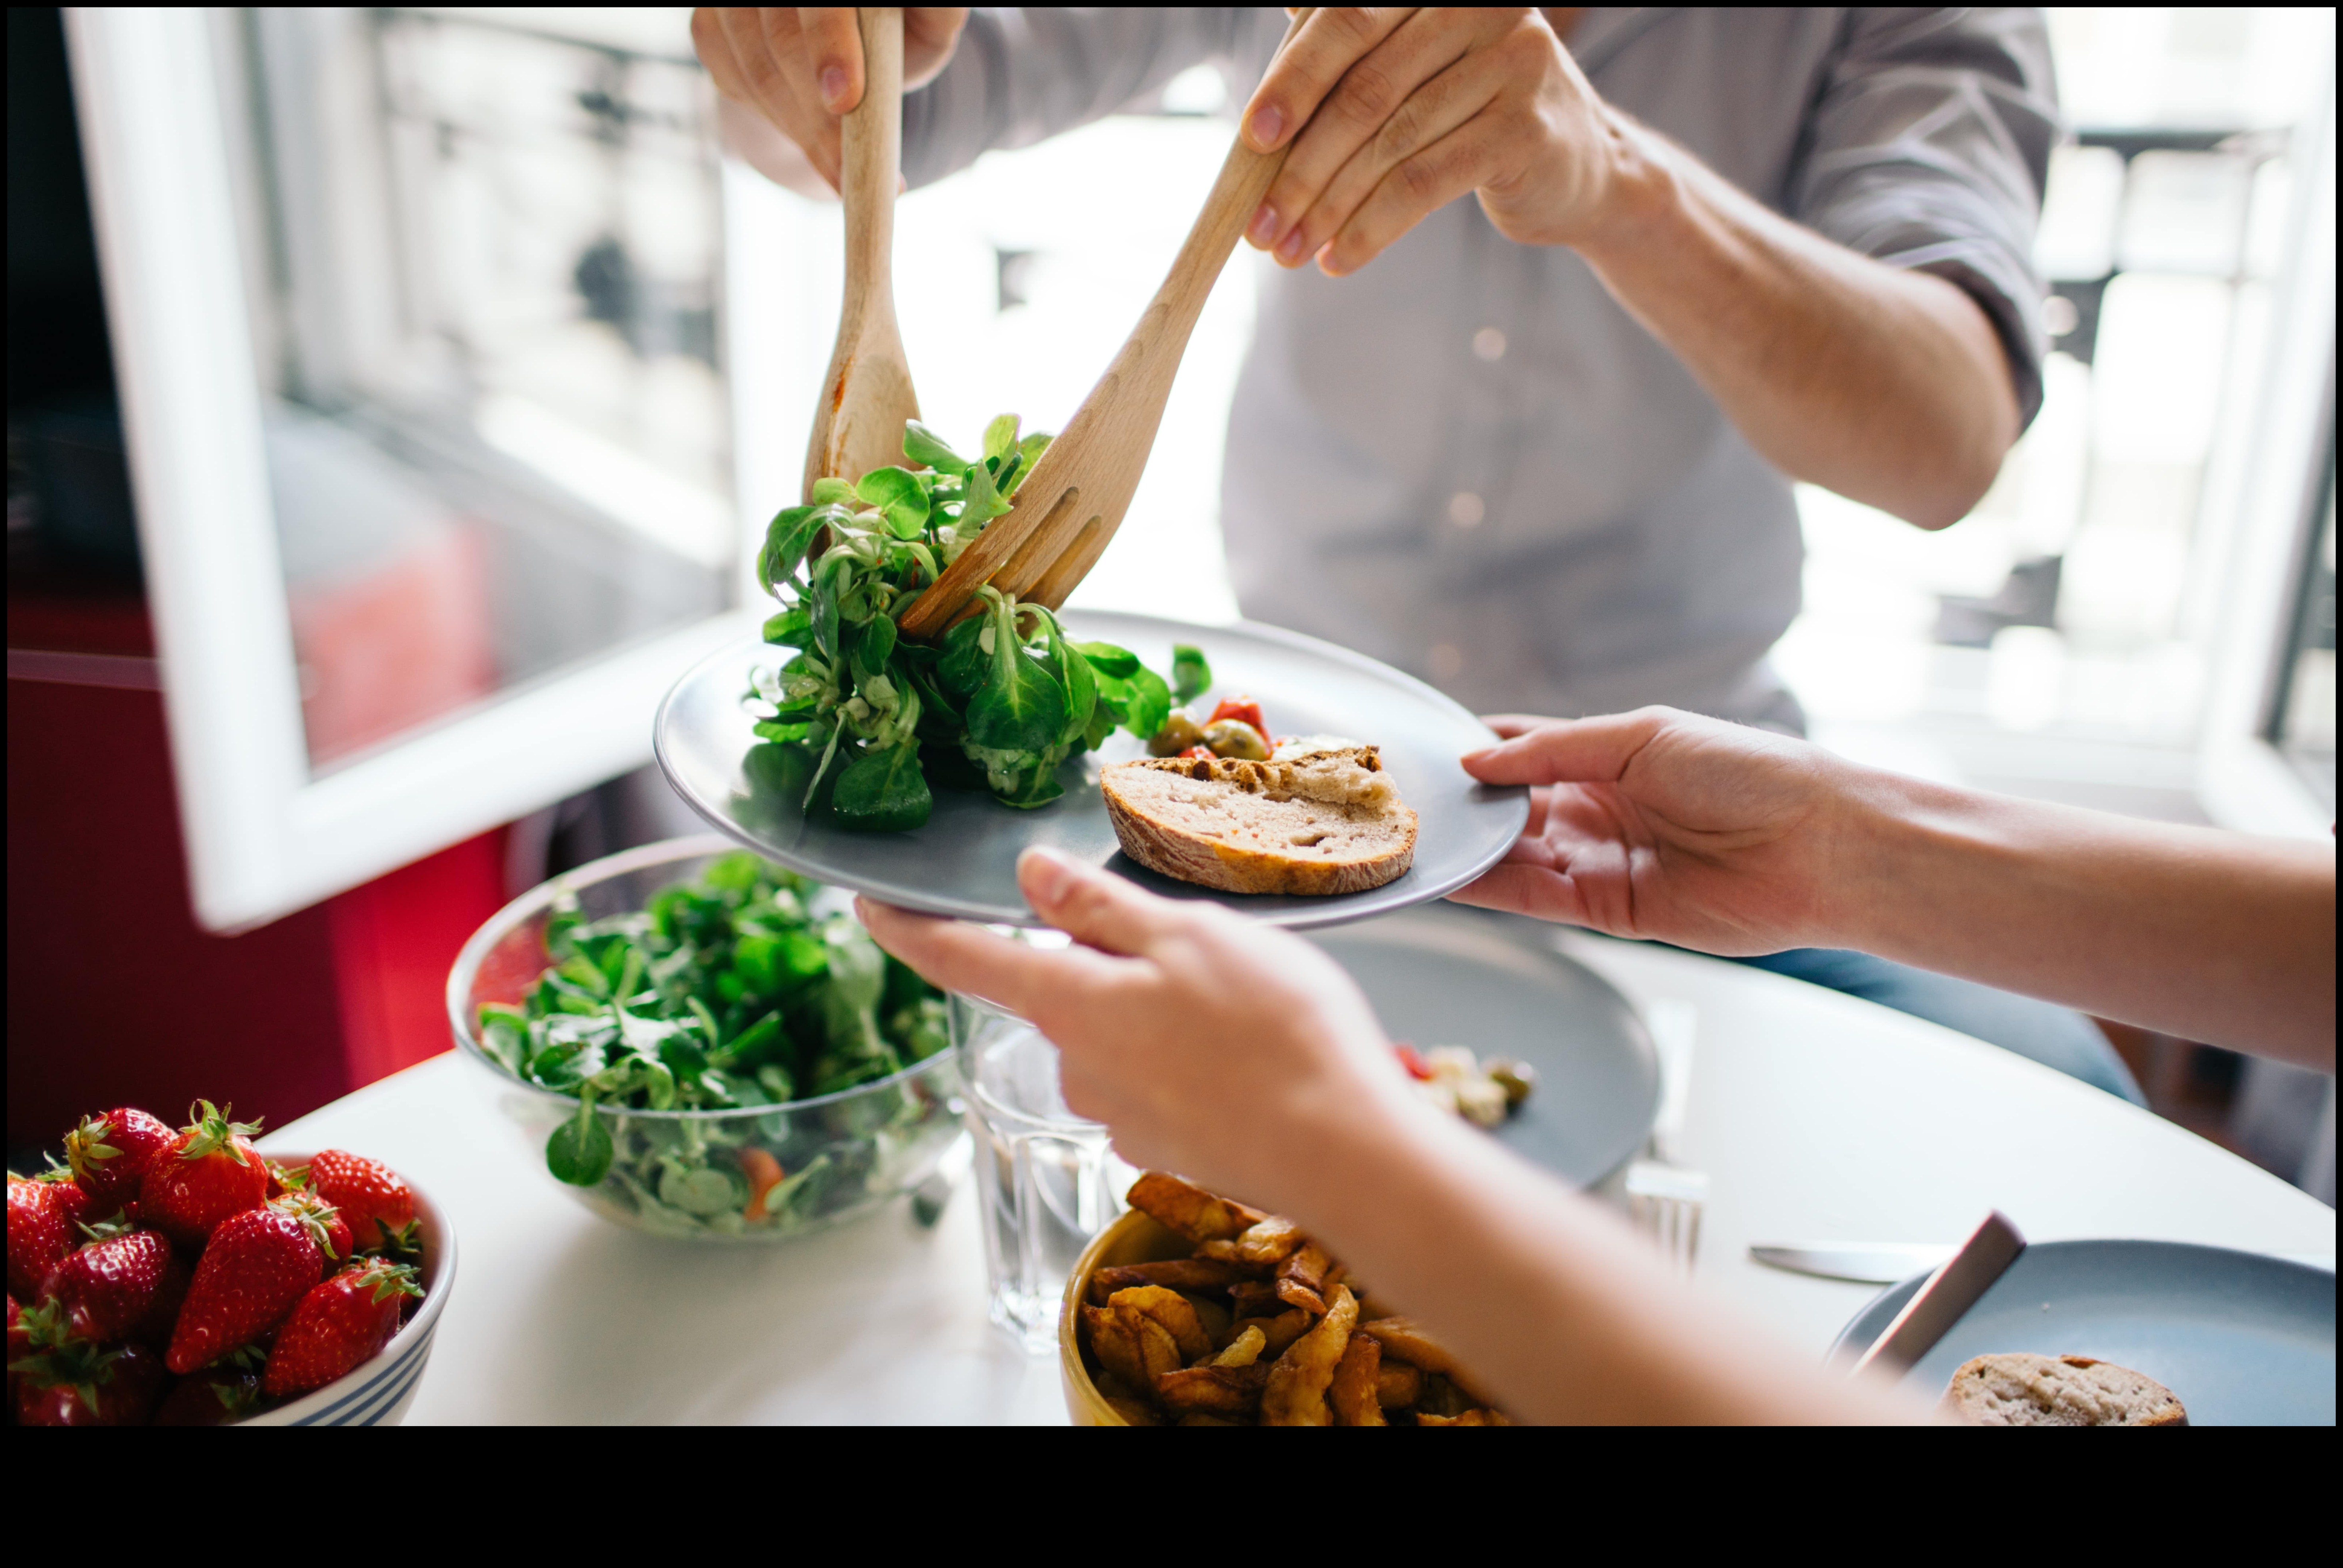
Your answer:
<point x="1047" y="875"/>
<point x="1266" y="122"/>
<point x="833" y="84"/>
<point x="1289" y="249"/>
<point x="1263" y="226"/>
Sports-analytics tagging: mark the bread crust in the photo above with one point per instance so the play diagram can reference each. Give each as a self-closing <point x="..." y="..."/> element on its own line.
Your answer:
<point x="2017" y="1388"/>
<point x="1156" y="838"/>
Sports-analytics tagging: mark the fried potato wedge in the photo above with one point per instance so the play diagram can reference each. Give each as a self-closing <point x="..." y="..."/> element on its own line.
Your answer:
<point x="1271" y="1241"/>
<point x="1255" y="1299"/>
<point x="1159" y="1353"/>
<point x="1352" y="1392"/>
<point x="1280" y="1332"/>
<point x="1405" y="1339"/>
<point x="1302" y="1279"/>
<point x="1397" y="1384"/>
<point x="1242" y="1350"/>
<point x="1218" y="1391"/>
<point x="1188" y="1209"/>
<point x="1176" y="1274"/>
<point x="1296" y="1394"/>
<point x="1116" y="1345"/>
<point x="1475" y="1417"/>
<point x="1170" y="1310"/>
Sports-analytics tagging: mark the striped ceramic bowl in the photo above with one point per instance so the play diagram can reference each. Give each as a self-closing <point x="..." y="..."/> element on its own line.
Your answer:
<point x="377" y="1393"/>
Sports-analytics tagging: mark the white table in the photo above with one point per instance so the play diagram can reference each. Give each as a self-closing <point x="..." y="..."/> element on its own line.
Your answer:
<point x="1817" y="1117"/>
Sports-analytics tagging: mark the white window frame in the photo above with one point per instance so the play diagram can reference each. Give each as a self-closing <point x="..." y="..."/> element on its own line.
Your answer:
<point x="264" y="835"/>
<point x="2243" y="780"/>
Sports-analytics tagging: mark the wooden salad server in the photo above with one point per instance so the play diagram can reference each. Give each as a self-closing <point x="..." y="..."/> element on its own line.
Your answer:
<point x="867" y="394"/>
<point x="1071" y="505"/>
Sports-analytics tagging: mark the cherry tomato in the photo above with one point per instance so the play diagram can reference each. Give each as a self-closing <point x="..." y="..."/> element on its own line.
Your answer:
<point x="1244" y="711"/>
<point x="1413" y="1060"/>
<point x="1195" y="752"/>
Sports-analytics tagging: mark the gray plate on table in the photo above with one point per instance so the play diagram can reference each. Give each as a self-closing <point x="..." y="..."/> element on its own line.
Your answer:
<point x="1447" y="975"/>
<point x="963" y="861"/>
<point x="2245" y="1340"/>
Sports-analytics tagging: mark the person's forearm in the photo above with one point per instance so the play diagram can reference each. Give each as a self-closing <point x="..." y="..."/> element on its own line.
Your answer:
<point x="1887" y="386"/>
<point x="2215" y="936"/>
<point x="1546" y="1296"/>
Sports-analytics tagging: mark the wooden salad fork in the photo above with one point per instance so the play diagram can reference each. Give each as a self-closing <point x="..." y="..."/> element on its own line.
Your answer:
<point x="1069" y="507"/>
<point x="867" y="394"/>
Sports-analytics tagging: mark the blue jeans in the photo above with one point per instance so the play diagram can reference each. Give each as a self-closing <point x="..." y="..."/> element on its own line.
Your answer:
<point x="2038" y="1030"/>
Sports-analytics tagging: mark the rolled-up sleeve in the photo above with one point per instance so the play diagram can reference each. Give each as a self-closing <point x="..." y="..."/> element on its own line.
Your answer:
<point x="1927" y="148"/>
<point x="1023" y="74"/>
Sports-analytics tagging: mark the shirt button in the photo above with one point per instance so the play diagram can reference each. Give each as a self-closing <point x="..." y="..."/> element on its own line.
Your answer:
<point x="1465" y="510"/>
<point x="1489" y="344"/>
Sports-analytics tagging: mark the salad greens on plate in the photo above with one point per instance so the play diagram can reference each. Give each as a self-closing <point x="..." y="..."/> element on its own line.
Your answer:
<point x="726" y="993"/>
<point x="997" y="704"/>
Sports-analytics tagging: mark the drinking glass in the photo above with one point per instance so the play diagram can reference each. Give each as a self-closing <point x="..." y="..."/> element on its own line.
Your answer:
<point x="1048" y="1180"/>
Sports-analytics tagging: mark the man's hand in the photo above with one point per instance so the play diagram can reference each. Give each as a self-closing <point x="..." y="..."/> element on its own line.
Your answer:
<point x="1212" y="1046"/>
<point x="1404" y="110"/>
<point x="801" y="66"/>
<point x="1667" y="826"/>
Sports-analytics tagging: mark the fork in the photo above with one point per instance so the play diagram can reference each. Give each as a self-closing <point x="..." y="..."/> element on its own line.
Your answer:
<point x="1665" y="1198"/>
<point x="1069" y="507"/>
<point x="867" y="394"/>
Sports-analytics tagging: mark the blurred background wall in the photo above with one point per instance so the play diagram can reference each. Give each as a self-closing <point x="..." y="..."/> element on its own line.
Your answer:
<point x="486" y="277"/>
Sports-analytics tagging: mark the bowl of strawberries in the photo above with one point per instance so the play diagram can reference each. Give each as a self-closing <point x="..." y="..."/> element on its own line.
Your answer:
<point x="180" y="1277"/>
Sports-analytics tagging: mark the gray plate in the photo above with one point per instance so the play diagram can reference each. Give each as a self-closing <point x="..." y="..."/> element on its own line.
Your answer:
<point x="2243" y="1338"/>
<point x="1447" y="975"/>
<point x="963" y="862"/>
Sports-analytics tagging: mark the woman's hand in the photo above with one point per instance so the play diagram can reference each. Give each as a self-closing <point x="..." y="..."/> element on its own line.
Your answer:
<point x="1213" y="1046"/>
<point x="1402" y="111"/>
<point x="1680" y="829"/>
<point x="801" y="66"/>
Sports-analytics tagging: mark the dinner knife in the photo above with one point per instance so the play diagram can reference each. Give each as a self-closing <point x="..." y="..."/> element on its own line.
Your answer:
<point x="1947" y="1296"/>
<point x="1869" y="1262"/>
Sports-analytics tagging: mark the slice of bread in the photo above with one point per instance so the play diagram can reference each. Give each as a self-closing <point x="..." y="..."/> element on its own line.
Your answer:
<point x="2016" y="1389"/>
<point x="1324" y="823"/>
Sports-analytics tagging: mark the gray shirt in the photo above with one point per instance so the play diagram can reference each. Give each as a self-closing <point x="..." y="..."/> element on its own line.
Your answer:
<point x="1467" y="459"/>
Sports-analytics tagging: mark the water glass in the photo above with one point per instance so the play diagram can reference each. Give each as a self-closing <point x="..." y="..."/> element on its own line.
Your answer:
<point x="1047" y="1179"/>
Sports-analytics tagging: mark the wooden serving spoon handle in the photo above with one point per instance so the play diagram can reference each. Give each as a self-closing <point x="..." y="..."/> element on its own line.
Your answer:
<point x="1070" y="506"/>
<point x="867" y="394"/>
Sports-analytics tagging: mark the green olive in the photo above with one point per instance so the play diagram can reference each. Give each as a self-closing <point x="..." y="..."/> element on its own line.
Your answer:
<point x="1517" y="1077"/>
<point x="1237" y="740"/>
<point x="1179" y="732"/>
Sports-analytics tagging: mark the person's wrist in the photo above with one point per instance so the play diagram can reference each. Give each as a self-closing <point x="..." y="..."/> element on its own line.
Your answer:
<point x="1639" y="197"/>
<point x="1874" y="833"/>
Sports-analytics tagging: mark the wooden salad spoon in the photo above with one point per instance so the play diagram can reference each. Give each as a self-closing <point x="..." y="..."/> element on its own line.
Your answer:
<point x="867" y="394"/>
<point x="1071" y="505"/>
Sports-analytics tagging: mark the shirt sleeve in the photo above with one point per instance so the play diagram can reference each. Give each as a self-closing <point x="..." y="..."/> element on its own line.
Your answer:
<point x="1023" y="74"/>
<point x="1927" y="147"/>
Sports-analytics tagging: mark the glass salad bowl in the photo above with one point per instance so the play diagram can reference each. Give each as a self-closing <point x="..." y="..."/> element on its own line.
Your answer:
<point x="739" y="1172"/>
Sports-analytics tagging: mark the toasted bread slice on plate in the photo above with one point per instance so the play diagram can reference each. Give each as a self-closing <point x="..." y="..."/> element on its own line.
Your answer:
<point x="1320" y="823"/>
<point x="2017" y="1389"/>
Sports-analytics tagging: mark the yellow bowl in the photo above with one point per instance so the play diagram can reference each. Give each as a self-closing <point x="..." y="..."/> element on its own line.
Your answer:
<point x="1136" y="1238"/>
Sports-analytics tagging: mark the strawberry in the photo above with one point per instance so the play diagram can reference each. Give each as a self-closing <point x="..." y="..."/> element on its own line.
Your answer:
<point x="76" y="1205"/>
<point x="215" y="1396"/>
<point x="72" y="1382"/>
<point x="205" y="1172"/>
<point x="370" y="1194"/>
<point x="39" y="1234"/>
<point x="109" y="1287"/>
<point x="324" y="1223"/>
<point x="20" y="1345"/>
<point x="258" y="1264"/>
<point x="337" y="1325"/>
<point x="109" y="1154"/>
